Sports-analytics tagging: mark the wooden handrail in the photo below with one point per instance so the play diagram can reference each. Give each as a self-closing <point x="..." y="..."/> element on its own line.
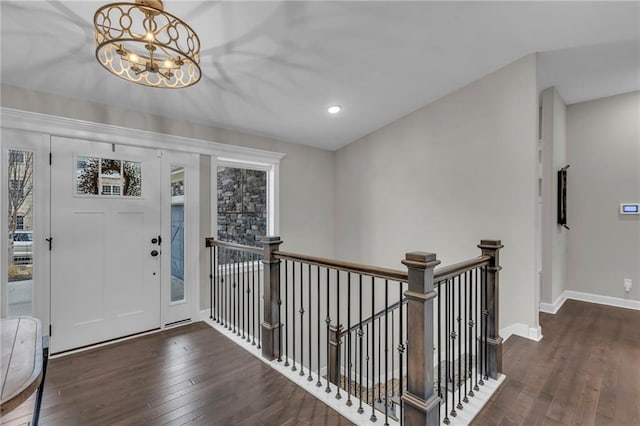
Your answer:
<point x="372" y="271"/>
<point x="210" y="242"/>
<point x="443" y="274"/>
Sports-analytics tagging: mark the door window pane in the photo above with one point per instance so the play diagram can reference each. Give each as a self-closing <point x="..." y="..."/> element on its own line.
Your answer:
<point x="20" y="223"/>
<point x="177" y="233"/>
<point x="113" y="177"/>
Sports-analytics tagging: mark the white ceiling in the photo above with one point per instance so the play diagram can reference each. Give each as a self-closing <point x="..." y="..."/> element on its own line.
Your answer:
<point x="273" y="68"/>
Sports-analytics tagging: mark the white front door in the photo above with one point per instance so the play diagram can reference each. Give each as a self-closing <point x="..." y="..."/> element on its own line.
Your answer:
<point x="105" y="257"/>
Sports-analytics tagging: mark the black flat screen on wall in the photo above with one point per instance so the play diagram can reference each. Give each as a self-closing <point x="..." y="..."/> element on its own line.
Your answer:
<point x="562" y="197"/>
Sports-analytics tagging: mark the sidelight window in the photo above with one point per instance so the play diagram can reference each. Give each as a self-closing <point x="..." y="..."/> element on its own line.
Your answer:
<point x="19" y="221"/>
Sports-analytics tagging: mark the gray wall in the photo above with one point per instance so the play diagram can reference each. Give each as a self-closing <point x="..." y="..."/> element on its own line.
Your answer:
<point x="442" y="178"/>
<point x="603" y="148"/>
<point x="554" y="157"/>
<point x="306" y="174"/>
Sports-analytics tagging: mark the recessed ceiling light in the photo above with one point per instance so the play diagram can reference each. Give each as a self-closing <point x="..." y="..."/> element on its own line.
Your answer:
<point x="334" y="109"/>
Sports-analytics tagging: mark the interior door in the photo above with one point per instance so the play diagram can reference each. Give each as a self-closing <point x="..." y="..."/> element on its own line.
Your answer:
<point x="105" y="257"/>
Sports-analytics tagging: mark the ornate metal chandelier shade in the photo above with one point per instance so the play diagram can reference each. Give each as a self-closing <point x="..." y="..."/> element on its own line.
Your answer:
<point x="142" y="43"/>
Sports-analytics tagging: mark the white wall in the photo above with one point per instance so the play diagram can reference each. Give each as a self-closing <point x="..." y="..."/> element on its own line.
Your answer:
<point x="306" y="174"/>
<point x="603" y="148"/>
<point x="554" y="153"/>
<point x="442" y="178"/>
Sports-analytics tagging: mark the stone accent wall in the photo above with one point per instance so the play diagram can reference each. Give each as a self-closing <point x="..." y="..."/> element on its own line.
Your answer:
<point x="242" y="205"/>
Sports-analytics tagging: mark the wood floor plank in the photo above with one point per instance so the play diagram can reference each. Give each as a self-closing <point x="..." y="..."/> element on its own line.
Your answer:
<point x="585" y="371"/>
<point x="188" y="375"/>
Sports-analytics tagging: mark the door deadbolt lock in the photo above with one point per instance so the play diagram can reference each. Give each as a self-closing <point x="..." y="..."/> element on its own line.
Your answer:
<point x="154" y="253"/>
<point x="154" y="241"/>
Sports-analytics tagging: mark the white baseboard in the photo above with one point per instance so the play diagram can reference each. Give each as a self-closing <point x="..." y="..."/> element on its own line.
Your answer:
<point x="522" y="330"/>
<point x="591" y="298"/>
<point x="553" y="308"/>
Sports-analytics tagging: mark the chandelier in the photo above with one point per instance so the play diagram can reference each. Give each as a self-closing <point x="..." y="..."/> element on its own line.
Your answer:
<point x="142" y="43"/>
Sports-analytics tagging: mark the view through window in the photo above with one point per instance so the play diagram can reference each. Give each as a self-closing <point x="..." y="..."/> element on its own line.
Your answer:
<point x="242" y="206"/>
<point x="177" y="233"/>
<point x="20" y="222"/>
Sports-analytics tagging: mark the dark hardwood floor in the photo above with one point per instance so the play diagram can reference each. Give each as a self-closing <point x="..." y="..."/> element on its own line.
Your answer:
<point x="186" y="375"/>
<point x="585" y="371"/>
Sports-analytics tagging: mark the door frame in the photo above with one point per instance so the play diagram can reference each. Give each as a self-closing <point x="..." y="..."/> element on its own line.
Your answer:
<point x="46" y="125"/>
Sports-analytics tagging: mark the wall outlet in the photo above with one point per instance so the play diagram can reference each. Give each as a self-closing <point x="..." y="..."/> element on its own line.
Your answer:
<point x="627" y="285"/>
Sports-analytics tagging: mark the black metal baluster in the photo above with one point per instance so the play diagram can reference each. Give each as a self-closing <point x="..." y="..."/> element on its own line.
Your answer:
<point x="482" y="321"/>
<point x="259" y="304"/>
<point x="344" y="362"/>
<point x="293" y="316"/>
<point x="439" y="284"/>
<point x="239" y="292"/>
<point x="348" y="363"/>
<point x="401" y="353"/>
<point x="452" y="342"/>
<point x="373" y="417"/>
<point x="380" y="359"/>
<point x="216" y="271"/>
<point x="318" y="383"/>
<point x="231" y="291"/>
<point x="244" y="311"/>
<point x="393" y="343"/>
<point x="223" y="283"/>
<point x="301" y="321"/>
<point x="386" y="352"/>
<point x="309" y="378"/>
<point x="459" y="320"/>
<point x="360" y="333"/>
<point x="223" y="286"/>
<point x="255" y="266"/>
<point x="235" y="295"/>
<point x="338" y="334"/>
<point x="478" y="326"/>
<point x="466" y="349"/>
<point x="485" y="313"/>
<point x="370" y="377"/>
<point x="471" y="333"/>
<point x="286" y="313"/>
<point x="328" y="321"/>
<point x="280" y="325"/>
<point x="366" y="368"/>
<point x="446" y="354"/>
<point x="228" y="290"/>
<point x="211" y="248"/>
<point x="248" y="273"/>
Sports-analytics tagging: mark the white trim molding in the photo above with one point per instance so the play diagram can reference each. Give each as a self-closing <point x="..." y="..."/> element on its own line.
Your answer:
<point x="553" y="308"/>
<point x="61" y="126"/>
<point x="522" y="330"/>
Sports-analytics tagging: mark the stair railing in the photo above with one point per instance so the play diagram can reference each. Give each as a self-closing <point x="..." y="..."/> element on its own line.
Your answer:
<point x="411" y="346"/>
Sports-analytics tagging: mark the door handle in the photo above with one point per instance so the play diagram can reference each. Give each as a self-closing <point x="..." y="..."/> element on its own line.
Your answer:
<point x="154" y="253"/>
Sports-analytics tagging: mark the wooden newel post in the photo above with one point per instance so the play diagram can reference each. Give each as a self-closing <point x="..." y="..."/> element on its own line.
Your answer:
<point x="271" y="294"/>
<point x="335" y="339"/>
<point x="421" y="403"/>
<point x="494" y="341"/>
